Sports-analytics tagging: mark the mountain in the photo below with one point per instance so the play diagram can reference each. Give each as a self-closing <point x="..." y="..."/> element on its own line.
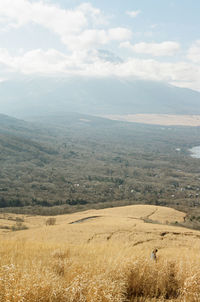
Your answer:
<point x="43" y="96"/>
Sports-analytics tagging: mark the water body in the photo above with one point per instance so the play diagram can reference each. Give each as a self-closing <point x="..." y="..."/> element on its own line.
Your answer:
<point x="195" y="152"/>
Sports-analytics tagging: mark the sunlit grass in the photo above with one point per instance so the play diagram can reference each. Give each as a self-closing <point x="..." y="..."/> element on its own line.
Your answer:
<point x="31" y="271"/>
<point x="103" y="259"/>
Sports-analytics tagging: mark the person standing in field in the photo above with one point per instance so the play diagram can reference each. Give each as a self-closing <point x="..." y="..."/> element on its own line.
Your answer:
<point x="153" y="255"/>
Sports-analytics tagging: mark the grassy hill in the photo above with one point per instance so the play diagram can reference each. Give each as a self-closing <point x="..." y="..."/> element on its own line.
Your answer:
<point x="100" y="225"/>
<point x="100" y="255"/>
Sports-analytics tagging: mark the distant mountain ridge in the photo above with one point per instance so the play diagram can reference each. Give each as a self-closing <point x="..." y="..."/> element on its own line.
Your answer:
<point x="41" y="96"/>
<point x="11" y="125"/>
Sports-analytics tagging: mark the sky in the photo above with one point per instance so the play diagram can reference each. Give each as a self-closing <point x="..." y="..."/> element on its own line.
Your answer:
<point x="138" y="39"/>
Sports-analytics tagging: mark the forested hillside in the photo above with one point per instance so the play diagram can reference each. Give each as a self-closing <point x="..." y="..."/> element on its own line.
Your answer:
<point x="73" y="162"/>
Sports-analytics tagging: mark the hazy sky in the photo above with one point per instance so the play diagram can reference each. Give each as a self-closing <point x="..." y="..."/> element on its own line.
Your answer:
<point x="147" y="39"/>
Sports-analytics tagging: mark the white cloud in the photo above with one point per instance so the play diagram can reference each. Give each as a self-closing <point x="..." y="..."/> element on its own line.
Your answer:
<point x="93" y="13"/>
<point x="83" y="30"/>
<point x="20" y="12"/>
<point x="77" y="28"/>
<point x="35" y="61"/>
<point x="91" y="38"/>
<point x="133" y="14"/>
<point x="167" y="48"/>
<point x="154" y="26"/>
<point x="89" y="63"/>
<point x="194" y="52"/>
<point x="119" y="34"/>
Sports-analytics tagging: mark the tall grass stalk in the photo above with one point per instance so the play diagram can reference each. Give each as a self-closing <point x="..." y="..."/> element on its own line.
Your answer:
<point x="42" y="272"/>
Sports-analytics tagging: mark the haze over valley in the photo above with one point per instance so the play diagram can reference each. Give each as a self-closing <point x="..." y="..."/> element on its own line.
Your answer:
<point x="97" y="96"/>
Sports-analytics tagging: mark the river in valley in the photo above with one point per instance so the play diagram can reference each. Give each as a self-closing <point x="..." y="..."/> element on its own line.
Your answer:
<point x="195" y="152"/>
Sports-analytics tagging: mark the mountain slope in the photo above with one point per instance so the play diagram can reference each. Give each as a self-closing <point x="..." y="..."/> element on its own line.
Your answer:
<point x="40" y="96"/>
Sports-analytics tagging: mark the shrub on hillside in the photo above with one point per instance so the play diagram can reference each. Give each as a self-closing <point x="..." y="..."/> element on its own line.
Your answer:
<point x="19" y="226"/>
<point x="51" y="221"/>
<point x="152" y="280"/>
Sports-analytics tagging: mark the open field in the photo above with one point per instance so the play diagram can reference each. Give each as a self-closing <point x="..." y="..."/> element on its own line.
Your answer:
<point x="159" y="119"/>
<point x="100" y="255"/>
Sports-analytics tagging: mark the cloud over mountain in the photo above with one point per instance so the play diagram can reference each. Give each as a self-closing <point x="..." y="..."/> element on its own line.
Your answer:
<point x="166" y="48"/>
<point x="61" y="38"/>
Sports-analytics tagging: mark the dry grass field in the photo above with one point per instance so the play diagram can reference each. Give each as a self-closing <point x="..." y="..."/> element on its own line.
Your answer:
<point x="99" y="255"/>
<point x="159" y="119"/>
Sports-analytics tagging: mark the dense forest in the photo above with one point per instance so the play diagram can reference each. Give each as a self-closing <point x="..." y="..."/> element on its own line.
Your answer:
<point x="63" y="164"/>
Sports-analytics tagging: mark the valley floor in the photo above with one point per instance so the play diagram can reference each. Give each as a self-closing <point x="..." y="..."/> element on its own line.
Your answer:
<point x="159" y="119"/>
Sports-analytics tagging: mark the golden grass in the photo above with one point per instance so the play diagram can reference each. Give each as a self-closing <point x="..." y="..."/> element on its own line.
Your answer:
<point x="159" y="119"/>
<point x="33" y="271"/>
<point x="107" y="220"/>
<point x="106" y="258"/>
